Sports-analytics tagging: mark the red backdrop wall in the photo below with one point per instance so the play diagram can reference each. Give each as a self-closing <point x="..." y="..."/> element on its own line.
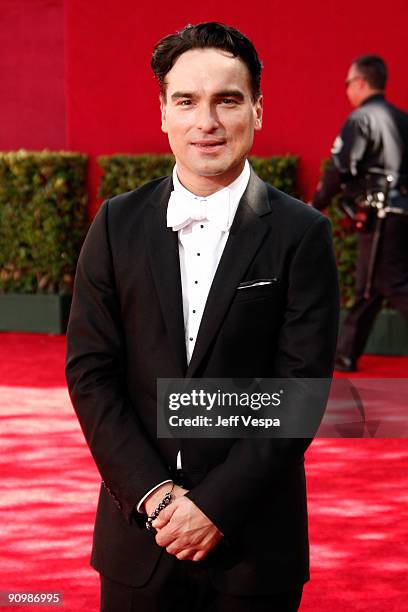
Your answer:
<point x="32" y="96"/>
<point x="111" y="98"/>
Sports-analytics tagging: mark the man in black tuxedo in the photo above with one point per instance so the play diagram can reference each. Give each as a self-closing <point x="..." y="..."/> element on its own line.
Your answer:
<point x="209" y="273"/>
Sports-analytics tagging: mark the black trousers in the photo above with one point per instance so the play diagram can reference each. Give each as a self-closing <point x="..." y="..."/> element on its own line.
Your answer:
<point x="183" y="586"/>
<point x="390" y="282"/>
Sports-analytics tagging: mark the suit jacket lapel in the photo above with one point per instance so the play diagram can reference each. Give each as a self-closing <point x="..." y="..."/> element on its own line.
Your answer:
<point x="246" y="235"/>
<point x="164" y="259"/>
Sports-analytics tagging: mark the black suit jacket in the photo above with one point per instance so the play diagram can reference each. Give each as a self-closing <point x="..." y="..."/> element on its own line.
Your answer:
<point x="126" y="330"/>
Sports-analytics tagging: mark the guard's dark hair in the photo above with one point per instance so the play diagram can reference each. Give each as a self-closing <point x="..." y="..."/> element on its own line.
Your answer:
<point x="373" y="69"/>
<point x="202" y="36"/>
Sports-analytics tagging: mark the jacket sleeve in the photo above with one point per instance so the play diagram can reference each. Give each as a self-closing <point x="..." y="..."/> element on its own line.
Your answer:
<point x="349" y="148"/>
<point x="328" y="187"/>
<point x="128" y="463"/>
<point x="306" y="349"/>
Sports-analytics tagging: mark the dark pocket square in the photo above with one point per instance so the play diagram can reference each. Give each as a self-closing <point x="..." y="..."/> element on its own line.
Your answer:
<point x="259" y="282"/>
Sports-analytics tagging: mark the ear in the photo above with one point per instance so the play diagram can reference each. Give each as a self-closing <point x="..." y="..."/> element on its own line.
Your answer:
<point x="258" y="109"/>
<point x="163" y="114"/>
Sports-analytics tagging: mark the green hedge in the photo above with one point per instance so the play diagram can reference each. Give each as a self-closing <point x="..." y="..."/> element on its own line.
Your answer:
<point x="278" y="170"/>
<point x="126" y="172"/>
<point x="345" y="245"/>
<point x="43" y="220"/>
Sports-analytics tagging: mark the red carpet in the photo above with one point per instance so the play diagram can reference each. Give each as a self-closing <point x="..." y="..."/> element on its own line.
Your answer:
<point x="358" y="495"/>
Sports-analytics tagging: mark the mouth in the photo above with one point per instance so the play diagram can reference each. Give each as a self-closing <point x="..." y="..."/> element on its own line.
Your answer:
<point x="208" y="145"/>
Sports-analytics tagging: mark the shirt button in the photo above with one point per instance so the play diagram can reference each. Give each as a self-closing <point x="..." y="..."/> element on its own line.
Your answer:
<point x="198" y="254"/>
<point x="196" y="282"/>
<point x="191" y="339"/>
<point x="202" y="226"/>
<point x="194" y="311"/>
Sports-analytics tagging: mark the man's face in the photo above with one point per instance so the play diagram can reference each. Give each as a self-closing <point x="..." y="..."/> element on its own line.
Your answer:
<point x="355" y="86"/>
<point x="209" y="115"/>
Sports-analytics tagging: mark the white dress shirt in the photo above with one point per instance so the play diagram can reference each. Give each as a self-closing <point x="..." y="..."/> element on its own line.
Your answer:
<point x="201" y="239"/>
<point x="201" y="244"/>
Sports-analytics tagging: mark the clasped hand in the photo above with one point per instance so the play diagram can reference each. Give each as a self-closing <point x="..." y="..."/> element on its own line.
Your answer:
<point x="184" y="530"/>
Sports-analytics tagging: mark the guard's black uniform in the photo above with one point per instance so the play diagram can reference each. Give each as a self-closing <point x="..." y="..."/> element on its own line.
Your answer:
<point x="373" y="142"/>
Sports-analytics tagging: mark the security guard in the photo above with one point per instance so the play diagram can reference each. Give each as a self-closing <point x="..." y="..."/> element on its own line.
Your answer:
<point x="372" y="145"/>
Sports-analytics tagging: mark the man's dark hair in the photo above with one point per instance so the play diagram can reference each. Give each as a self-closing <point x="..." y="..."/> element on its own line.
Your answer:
<point x="210" y="35"/>
<point x="373" y="69"/>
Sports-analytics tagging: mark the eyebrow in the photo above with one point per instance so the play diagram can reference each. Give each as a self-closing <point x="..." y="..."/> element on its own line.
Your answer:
<point x="181" y="94"/>
<point x="228" y="93"/>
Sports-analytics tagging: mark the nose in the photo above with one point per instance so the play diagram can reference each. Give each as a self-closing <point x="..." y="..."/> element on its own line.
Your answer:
<point x="207" y="120"/>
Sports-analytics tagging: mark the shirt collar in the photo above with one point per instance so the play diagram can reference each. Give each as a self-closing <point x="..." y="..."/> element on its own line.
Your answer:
<point x="373" y="98"/>
<point x="235" y="190"/>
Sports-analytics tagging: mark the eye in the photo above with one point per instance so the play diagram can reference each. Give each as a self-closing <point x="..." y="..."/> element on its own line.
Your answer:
<point x="186" y="102"/>
<point x="228" y="101"/>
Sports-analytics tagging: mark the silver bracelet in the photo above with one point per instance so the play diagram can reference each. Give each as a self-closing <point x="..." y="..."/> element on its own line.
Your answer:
<point x="164" y="502"/>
